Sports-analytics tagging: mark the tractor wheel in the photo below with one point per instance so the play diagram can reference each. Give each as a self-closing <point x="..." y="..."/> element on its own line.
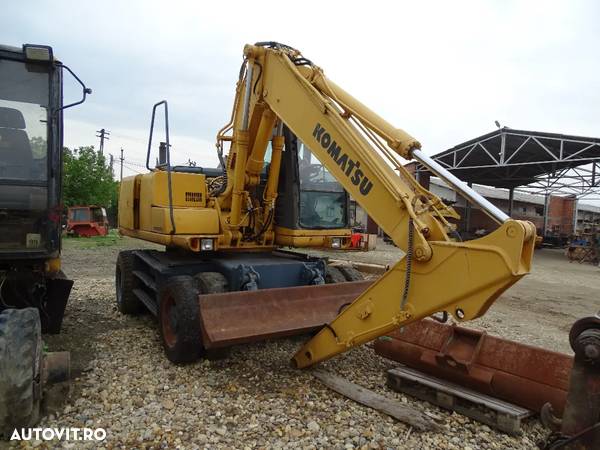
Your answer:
<point x="20" y="365"/>
<point x="179" y="319"/>
<point x="350" y="273"/>
<point x="334" y="275"/>
<point x="125" y="283"/>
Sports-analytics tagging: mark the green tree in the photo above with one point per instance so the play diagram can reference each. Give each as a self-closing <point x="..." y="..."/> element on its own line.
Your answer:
<point x="39" y="147"/>
<point x="88" y="178"/>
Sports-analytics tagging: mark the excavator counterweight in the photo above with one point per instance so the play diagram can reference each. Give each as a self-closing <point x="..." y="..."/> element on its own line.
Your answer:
<point x="298" y="146"/>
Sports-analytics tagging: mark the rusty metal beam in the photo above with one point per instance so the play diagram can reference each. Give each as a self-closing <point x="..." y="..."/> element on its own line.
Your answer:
<point x="521" y="374"/>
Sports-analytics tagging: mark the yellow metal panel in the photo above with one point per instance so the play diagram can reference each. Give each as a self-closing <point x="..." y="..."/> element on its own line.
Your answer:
<point x="53" y="265"/>
<point x="184" y="241"/>
<point x="146" y="196"/>
<point x="187" y="220"/>
<point x="189" y="189"/>
<point x="311" y="238"/>
<point x="126" y="203"/>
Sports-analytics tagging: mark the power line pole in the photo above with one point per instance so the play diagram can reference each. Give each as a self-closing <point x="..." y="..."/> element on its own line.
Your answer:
<point x="103" y="135"/>
<point x="122" y="163"/>
<point x="112" y="161"/>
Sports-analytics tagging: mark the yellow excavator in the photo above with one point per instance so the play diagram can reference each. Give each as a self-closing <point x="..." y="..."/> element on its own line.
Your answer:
<point x="297" y="144"/>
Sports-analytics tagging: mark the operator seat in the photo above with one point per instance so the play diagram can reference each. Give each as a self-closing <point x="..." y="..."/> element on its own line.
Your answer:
<point x="16" y="157"/>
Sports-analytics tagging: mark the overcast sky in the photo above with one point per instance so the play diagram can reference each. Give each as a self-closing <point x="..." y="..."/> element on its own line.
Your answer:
<point x="443" y="71"/>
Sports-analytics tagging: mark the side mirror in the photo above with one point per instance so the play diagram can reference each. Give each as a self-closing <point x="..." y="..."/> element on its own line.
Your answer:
<point x="86" y="90"/>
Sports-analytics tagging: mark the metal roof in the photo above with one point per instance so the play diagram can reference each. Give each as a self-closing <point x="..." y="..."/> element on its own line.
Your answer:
<point x="536" y="162"/>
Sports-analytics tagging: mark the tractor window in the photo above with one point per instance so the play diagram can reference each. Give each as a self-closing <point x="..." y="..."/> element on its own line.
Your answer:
<point x="23" y="121"/>
<point x="323" y="201"/>
<point x="97" y="215"/>
<point x="80" y="215"/>
<point x="24" y="100"/>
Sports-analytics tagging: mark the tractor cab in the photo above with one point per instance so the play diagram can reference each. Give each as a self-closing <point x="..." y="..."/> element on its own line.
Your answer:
<point x="87" y="221"/>
<point x="31" y="107"/>
<point x="30" y="137"/>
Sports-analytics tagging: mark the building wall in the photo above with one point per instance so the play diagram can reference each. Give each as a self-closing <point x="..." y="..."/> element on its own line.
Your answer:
<point x="561" y="210"/>
<point x="561" y="213"/>
<point x="521" y="211"/>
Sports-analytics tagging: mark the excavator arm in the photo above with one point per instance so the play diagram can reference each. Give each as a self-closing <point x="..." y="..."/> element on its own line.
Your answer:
<point x="361" y="150"/>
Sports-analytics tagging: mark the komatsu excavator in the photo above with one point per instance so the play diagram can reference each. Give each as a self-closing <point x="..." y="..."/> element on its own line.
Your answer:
<point x="296" y="142"/>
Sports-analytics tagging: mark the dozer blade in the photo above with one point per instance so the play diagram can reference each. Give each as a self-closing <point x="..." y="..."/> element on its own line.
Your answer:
<point x="249" y="316"/>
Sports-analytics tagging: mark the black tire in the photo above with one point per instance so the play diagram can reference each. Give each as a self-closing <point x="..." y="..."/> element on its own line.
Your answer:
<point x="350" y="273"/>
<point x="179" y="319"/>
<point x="20" y="363"/>
<point x="125" y="283"/>
<point x="334" y="275"/>
<point x="211" y="282"/>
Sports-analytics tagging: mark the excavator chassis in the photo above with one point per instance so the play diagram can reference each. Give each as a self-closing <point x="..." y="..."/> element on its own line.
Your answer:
<point x="260" y="295"/>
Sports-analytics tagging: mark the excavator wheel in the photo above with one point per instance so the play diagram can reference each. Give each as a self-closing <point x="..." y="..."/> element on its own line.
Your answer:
<point x="350" y="273"/>
<point x="20" y="365"/>
<point x="179" y="319"/>
<point x="341" y="274"/>
<point x="125" y="283"/>
<point x="213" y="283"/>
<point x="334" y="275"/>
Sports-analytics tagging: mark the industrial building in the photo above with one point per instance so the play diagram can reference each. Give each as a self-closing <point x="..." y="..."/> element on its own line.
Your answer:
<point x="547" y="178"/>
<point x="566" y="215"/>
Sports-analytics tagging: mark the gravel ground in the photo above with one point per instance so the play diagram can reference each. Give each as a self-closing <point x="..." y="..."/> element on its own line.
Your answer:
<point x="253" y="399"/>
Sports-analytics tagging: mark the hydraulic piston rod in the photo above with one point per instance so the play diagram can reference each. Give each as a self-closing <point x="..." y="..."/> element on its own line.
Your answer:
<point x="460" y="186"/>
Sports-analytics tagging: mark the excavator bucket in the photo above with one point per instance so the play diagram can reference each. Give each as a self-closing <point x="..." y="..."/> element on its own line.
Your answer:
<point x="249" y="316"/>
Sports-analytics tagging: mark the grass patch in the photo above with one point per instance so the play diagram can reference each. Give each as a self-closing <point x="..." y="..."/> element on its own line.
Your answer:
<point x="112" y="238"/>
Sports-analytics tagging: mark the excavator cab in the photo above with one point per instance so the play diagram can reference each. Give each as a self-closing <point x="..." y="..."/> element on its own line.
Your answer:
<point x="312" y="206"/>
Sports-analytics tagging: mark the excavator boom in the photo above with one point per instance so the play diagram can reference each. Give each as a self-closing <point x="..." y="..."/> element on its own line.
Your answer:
<point x="361" y="151"/>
